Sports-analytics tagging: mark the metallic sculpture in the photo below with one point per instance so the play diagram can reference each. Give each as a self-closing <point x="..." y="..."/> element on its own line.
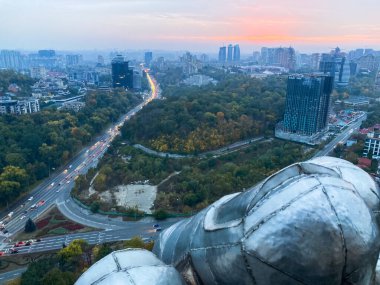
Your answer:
<point x="313" y="222"/>
<point x="130" y="267"/>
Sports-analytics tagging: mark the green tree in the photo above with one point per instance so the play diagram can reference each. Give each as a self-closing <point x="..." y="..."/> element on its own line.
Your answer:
<point x="57" y="277"/>
<point x="30" y="226"/>
<point x="160" y="214"/>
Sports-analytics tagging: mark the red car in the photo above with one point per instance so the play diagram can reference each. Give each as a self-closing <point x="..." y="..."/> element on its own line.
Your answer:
<point x="41" y="203"/>
<point x="18" y="244"/>
<point x="2" y="253"/>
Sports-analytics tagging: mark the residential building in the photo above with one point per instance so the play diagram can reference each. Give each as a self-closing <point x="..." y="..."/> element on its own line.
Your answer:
<point x="372" y="144"/>
<point x="283" y="57"/>
<point x="8" y="106"/>
<point x="74" y="106"/>
<point x="222" y="54"/>
<point x="73" y="59"/>
<point x="315" y="58"/>
<point x="230" y="53"/>
<point x="190" y="64"/>
<point x="11" y="59"/>
<point x="236" y="53"/>
<point x="122" y="75"/>
<point x="306" y="108"/>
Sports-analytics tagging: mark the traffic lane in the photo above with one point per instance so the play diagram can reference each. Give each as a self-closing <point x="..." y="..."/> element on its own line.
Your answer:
<point x="8" y="276"/>
<point x="91" y="238"/>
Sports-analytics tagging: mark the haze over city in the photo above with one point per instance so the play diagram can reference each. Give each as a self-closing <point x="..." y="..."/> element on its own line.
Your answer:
<point x="182" y="25"/>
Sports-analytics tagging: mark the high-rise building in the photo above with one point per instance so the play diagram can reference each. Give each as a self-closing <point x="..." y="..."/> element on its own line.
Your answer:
<point x="73" y="59"/>
<point x="46" y="53"/>
<point x="306" y="107"/>
<point x="230" y="53"/>
<point x="100" y="60"/>
<point x="236" y="53"/>
<point x="222" y="54"/>
<point x="284" y="57"/>
<point x="122" y="75"/>
<point x="11" y="59"/>
<point x="148" y="58"/>
<point x="336" y="65"/>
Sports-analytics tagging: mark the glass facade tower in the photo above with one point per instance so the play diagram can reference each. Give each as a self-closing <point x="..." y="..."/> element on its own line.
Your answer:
<point x="307" y="104"/>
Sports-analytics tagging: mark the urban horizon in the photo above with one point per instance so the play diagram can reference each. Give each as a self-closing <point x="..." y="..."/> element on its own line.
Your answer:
<point x="197" y="26"/>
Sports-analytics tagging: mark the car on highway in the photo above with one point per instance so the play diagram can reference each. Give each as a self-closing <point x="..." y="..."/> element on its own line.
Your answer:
<point x="68" y="181"/>
<point x="52" y="184"/>
<point x="38" y="240"/>
<point x="2" y="253"/>
<point x="33" y="207"/>
<point x="156" y="226"/>
<point x="22" y="217"/>
<point x="41" y="203"/>
<point x="10" y="215"/>
<point x="5" y="231"/>
<point x="13" y="250"/>
<point x="30" y="198"/>
<point x="28" y="243"/>
<point x="22" y="205"/>
<point x="18" y="244"/>
<point x="158" y="229"/>
<point x="26" y="211"/>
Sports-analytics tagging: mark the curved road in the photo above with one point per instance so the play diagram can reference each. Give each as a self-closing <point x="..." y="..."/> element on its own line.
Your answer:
<point x="55" y="190"/>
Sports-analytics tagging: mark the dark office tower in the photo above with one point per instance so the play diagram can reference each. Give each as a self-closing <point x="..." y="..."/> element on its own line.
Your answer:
<point x="148" y="58"/>
<point x="307" y="104"/>
<point x="336" y="65"/>
<point x="236" y="53"/>
<point x="122" y="76"/>
<point x="222" y="54"/>
<point x="229" y="53"/>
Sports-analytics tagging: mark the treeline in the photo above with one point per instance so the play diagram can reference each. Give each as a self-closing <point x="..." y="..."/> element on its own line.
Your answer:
<point x="208" y="180"/>
<point x="193" y="119"/>
<point x="194" y="183"/>
<point x="8" y="77"/>
<point x="31" y="146"/>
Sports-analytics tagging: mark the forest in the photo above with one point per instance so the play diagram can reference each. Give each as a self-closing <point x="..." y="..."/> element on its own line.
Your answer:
<point x="198" y="119"/>
<point x="24" y="82"/>
<point x="33" y="145"/>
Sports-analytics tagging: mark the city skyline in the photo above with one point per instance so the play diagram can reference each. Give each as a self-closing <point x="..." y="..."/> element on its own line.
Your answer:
<point x="196" y="25"/>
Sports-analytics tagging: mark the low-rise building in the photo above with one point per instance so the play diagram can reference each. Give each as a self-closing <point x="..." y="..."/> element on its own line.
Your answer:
<point x="8" y="106"/>
<point x="372" y="144"/>
<point x="74" y="106"/>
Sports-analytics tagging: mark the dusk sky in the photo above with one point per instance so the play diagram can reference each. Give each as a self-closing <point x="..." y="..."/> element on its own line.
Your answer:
<point x="196" y="25"/>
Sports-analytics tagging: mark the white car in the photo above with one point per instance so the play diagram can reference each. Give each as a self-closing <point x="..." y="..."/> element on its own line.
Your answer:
<point x="30" y="198"/>
<point x="22" y="217"/>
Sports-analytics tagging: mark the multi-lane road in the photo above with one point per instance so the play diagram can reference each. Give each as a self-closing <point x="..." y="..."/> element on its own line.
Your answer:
<point x="56" y="189"/>
<point x="342" y="137"/>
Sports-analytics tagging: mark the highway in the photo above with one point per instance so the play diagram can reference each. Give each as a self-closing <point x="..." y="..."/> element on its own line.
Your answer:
<point x="8" y="276"/>
<point x="56" y="189"/>
<point x="145" y="230"/>
<point x="342" y="137"/>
